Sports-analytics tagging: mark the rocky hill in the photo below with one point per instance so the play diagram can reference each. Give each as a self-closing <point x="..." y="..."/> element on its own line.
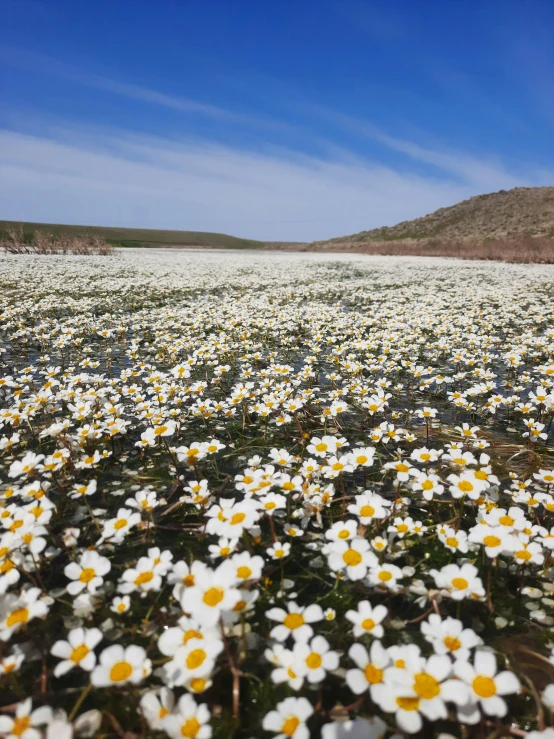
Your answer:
<point x="507" y="214"/>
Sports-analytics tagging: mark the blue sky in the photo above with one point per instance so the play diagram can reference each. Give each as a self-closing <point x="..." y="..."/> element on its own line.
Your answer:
<point x="280" y="120"/>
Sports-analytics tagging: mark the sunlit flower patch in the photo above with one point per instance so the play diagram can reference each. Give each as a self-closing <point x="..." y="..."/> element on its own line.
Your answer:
<point x="276" y="496"/>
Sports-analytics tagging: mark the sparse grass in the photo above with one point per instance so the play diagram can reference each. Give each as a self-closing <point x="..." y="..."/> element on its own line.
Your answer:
<point x="523" y="249"/>
<point x="132" y="237"/>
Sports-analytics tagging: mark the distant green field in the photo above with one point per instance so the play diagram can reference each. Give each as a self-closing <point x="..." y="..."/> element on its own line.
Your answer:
<point x="137" y="237"/>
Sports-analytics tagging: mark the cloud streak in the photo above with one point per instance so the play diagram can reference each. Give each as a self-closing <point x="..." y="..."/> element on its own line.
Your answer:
<point x="128" y="180"/>
<point x="89" y="175"/>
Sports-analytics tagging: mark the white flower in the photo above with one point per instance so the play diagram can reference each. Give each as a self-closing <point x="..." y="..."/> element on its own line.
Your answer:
<point x="342" y="530"/>
<point x="449" y="636"/>
<point x="173" y="638"/>
<point x="288" y="668"/>
<point x="21" y="726"/>
<point x="16" y="611"/>
<point x="322" y="447"/>
<point x="315" y="658"/>
<point x="370" y="671"/>
<point x="459" y="582"/>
<point x="367" y="619"/>
<point x="77" y="650"/>
<point x="295" y="620"/>
<point x="385" y="576"/>
<point x="119" y="665"/>
<point x="247" y="567"/>
<point x="188" y="720"/>
<point x="486" y="687"/>
<point x="30" y="463"/>
<point x="369" y="506"/>
<point x="117" y="528"/>
<point x="289" y="720"/>
<point x="182" y="576"/>
<point x="466" y="484"/>
<point x="421" y="687"/>
<point x="88" y="573"/>
<point x="354" y="556"/>
<point x="120" y="605"/>
<point x="214" y="593"/>
<point x="156" y="705"/>
<point x="278" y="550"/>
<point x="195" y="659"/>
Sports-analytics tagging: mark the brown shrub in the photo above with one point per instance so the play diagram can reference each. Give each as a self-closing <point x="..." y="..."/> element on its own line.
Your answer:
<point x="16" y="242"/>
<point x="522" y="249"/>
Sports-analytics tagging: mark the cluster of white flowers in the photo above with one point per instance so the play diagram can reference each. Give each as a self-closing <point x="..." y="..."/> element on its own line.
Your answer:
<point x="300" y="495"/>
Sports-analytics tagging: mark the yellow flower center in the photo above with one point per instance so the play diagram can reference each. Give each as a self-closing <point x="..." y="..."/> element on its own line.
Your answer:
<point x="368" y="624"/>
<point x="344" y="534"/>
<point x="87" y="575"/>
<point x="198" y="684"/>
<point x="144" y="577"/>
<point x="366" y="511"/>
<point x="465" y="486"/>
<point x="384" y="576"/>
<point x="293" y="621"/>
<point x="6" y="566"/>
<point x="243" y="573"/>
<point x="120" y="523"/>
<point x="190" y="728"/>
<point x="460" y="583"/>
<point x="373" y="674"/>
<point x="237" y="518"/>
<point x="524" y="555"/>
<point x="352" y="557"/>
<point x="79" y="653"/>
<point x="20" y="725"/>
<point x="506" y="521"/>
<point x="426" y="686"/>
<point x="290" y="725"/>
<point x="120" y="671"/>
<point x="19" y="616"/>
<point x="492" y="541"/>
<point x="195" y="659"/>
<point x="484" y="686"/>
<point x="452" y="541"/>
<point x="451" y="643"/>
<point x="313" y="660"/>
<point x="408" y="704"/>
<point x="213" y="596"/>
<point x="321" y="447"/>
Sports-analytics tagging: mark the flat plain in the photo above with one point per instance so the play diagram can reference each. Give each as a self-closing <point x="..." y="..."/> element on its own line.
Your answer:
<point x="276" y="494"/>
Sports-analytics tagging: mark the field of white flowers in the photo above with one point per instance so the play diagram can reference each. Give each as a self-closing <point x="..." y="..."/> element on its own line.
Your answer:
<point x="275" y="495"/>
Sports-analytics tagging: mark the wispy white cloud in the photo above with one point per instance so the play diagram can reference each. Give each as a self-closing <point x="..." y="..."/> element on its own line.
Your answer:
<point x="127" y="180"/>
<point x="483" y="173"/>
<point x="44" y="64"/>
<point x="83" y="174"/>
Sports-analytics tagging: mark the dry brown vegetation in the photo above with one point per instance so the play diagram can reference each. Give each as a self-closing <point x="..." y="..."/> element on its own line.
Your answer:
<point x="507" y="214"/>
<point x="17" y="242"/>
<point x="523" y="249"/>
<point x="510" y="225"/>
